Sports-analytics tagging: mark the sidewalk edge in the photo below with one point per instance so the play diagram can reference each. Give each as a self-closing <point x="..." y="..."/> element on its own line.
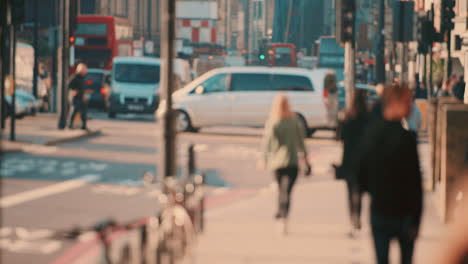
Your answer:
<point x="54" y="142"/>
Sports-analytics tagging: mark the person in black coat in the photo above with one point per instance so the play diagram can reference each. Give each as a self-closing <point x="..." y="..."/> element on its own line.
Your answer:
<point x="77" y="85"/>
<point x="388" y="169"/>
<point x="357" y="118"/>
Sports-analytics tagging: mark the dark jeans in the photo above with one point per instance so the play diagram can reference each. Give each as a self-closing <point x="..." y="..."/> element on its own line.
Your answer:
<point x="285" y="177"/>
<point x="386" y="228"/>
<point x="354" y="203"/>
<point x="79" y="107"/>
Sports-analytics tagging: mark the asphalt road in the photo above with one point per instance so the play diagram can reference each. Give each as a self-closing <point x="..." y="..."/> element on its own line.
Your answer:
<point x="83" y="182"/>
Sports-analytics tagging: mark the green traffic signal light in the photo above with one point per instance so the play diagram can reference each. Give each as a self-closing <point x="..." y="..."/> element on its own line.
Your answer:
<point x="262" y="57"/>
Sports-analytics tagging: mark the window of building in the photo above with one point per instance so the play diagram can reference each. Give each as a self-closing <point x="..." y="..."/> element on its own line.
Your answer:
<point x="260" y="10"/>
<point x="121" y="8"/>
<point x="257" y="10"/>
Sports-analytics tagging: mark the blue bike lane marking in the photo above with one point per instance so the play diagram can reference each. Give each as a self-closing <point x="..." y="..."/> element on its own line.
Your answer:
<point x="50" y="168"/>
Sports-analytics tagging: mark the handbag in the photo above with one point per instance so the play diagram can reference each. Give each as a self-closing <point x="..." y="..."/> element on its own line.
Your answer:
<point x="339" y="172"/>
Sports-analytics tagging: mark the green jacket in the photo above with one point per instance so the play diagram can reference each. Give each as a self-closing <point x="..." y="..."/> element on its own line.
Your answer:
<point x="283" y="140"/>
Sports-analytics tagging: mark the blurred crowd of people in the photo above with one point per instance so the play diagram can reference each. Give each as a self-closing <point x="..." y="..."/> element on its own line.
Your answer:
<point x="380" y="158"/>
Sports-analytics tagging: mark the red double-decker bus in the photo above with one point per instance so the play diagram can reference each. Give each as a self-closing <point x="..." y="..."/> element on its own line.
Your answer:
<point x="282" y="54"/>
<point x="98" y="39"/>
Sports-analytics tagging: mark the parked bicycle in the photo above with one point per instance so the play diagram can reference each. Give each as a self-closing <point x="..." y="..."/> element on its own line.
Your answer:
<point x="164" y="238"/>
<point x="181" y="215"/>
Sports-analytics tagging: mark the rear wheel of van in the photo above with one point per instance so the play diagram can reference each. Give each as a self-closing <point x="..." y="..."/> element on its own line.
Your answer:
<point x="183" y="122"/>
<point x="112" y="114"/>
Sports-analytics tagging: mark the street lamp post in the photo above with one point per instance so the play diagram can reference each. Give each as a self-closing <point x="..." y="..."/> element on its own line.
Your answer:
<point x="168" y="165"/>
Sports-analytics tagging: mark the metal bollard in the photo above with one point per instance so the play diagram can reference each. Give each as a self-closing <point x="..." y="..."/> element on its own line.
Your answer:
<point x="191" y="160"/>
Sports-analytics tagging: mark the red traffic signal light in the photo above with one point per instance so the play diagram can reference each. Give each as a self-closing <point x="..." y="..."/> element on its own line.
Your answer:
<point x="71" y="40"/>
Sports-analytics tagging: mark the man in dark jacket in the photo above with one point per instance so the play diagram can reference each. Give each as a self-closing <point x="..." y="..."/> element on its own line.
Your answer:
<point x="389" y="170"/>
<point x="77" y="87"/>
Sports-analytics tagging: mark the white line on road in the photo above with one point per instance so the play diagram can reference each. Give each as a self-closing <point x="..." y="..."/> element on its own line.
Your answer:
<point x="26" y="196"/>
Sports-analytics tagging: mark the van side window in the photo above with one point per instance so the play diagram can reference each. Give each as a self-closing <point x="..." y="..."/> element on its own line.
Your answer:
<point x="283" y="82"/>
<point x="215" y="84"/>
<point x="250" y="82"/>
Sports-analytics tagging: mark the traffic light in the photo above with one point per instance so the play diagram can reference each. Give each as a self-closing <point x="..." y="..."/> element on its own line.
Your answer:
<point x="426" y="34"/>
<point x="262" y="52"/>
<point x="73" y="15"/>
<point x="448" y="15"/>
<point x="17" y="12"/>
<point x="71" y="40"/>
<point x="403" y="12"/>
<point x="345" y="15"/>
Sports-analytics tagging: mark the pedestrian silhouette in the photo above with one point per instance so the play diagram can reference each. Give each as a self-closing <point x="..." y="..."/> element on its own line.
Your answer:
<point x="388" y="168"/>
<point x="77" y="86"/>
<point x="283" y="140"/>
<point x="356" y="120"/>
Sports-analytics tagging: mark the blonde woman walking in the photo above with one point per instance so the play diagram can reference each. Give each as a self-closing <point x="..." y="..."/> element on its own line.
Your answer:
<point x="283" y="141"/>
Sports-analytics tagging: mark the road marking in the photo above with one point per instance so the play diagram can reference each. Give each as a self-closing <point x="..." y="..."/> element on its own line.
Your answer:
<point x="23" y="197"/>
<point x="25" y="234"/>
<point x="22" y="240"/>
<point x="39" y="149"/>
<point x="117" y="190"/>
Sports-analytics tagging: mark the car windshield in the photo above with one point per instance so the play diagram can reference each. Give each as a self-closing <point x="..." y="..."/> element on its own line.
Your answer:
<point x="94" y="78"/>
<point x="93" y="58"/>
<point x="136" y="73"/>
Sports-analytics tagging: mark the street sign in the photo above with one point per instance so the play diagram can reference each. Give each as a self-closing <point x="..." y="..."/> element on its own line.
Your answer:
<point x="179" y="45"/>
<point x="149" y="47"/>
<point x="138" y="44"/>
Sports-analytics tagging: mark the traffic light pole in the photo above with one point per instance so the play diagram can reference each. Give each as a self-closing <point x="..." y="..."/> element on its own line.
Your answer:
<point x="448" y="64"/>
<point x="36" y="46"/>
<point x="168" y="164"/>
<point x="3" y="59"/>
<point x="404" y="62"/>
<point x="430" y="85"/>
<point x="380" y="56"/>
<point x="350" y="66"/>
<point x="12" y="80"/>
<point x="64" y="48"/>
<point x="54" y="74"/>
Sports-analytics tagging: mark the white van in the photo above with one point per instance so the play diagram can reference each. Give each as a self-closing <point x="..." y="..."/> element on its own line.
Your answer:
<point x="134" y="85"/>
<point x="242" y="96"/>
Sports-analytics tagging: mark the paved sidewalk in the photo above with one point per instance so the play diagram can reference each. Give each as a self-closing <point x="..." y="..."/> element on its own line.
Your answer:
<point x="40" y="130"/>
<point x="245" y="232"/>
